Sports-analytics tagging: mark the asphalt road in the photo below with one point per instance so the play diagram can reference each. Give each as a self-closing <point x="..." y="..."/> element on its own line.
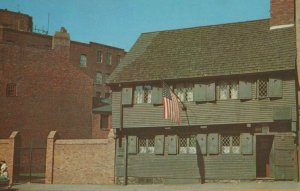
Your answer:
<point x="245" y="186"/>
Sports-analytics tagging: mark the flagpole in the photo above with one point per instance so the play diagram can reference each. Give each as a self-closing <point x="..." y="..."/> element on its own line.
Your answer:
<point x="184" y="108"/>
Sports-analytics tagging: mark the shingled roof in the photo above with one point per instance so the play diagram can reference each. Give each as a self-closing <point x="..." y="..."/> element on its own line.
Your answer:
<point x="236" y="48"/>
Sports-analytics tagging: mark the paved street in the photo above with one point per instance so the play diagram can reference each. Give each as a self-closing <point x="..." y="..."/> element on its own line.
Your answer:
<point x="246" y="186"/>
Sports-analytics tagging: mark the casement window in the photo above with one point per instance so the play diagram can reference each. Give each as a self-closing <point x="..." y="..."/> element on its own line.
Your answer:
<point x="271" y="88"/>
<point x="230" y="144"/>
<point x="83" y="60"/>
<point x="187" y="144"/>
<point x="142" y="94"/>
<point x="228" y="90"/>
<point x="99" y="56"/>
<point x="104" y="121"/>
<point x="262" y="88"/>
<point x="98" y="78"/>
<point x="146" y="144"/>
<point x="109" y="59"/>
<point x="11" y="90"/>
<point x="184" y="91"/>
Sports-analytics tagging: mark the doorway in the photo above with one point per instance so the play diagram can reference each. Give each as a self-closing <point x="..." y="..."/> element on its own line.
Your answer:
<point x="263" y="150"/>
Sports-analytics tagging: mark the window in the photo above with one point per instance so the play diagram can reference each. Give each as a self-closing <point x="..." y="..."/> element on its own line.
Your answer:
<point x="184" y="91"/>
<point x="99" y="56"/>
<point x="262" y="88"/>
<point x="187" y="144"/>
<point x="104" y="121"/>
<point x="228" y="90"/>
<point x="83" y="60"/>
<point x="107" y="95"/>
<point x="98" y="78"/>
<point x="106" y="76"/>
<point x="11" y="90"/>
<point x="108" y="59"/>
<point x="230" y="144"/>
<point x="98" y="94"/>
<point x="146" y="145"/>
<point x="142" y="94"/>
<point x="118" y="59"/>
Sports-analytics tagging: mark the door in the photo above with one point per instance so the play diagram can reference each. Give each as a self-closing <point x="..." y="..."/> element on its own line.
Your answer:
<point x="263" y="152"/>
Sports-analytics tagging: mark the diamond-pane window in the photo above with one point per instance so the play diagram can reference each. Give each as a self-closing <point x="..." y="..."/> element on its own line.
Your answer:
<point x="230" y="144"/>
<point x="146" y="145"/>
<point x="187" y="144"/>
<point x="233" y="89"/>
<point x="228" y="90"/>
<point x="142" y="94"/>
<point x="184" y="91"/>
<point x="150" y="146"/>
<point x="262" y="88"/>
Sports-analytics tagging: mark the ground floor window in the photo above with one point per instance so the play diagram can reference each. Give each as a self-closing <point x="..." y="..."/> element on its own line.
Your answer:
<point x="146" y="144"/>
<point x="230" y="144"/>
<point x="187" y="144"/>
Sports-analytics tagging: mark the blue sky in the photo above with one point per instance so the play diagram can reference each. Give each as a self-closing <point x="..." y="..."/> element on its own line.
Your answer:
<point x="120" y="22"/>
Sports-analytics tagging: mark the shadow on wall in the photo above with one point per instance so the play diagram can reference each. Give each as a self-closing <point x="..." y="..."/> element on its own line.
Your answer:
<point x="200" y="163"/>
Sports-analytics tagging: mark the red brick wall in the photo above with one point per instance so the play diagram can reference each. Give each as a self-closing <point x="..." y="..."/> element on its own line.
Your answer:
<point x="282" y="12"/>
<point x="7" y="152"/>
<point x="17" y="21"/>
<point x="90" y="50"/>
<point x="52" y="94"/>
<point x="89" y="161"/>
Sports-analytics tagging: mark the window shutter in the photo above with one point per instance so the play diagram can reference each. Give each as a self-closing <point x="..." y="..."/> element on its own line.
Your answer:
<point x="172" y="147"/>
<point x="211" y="92"/>
<point x="246" y="143"/>
<point x="213" y="143"/>
<point x="159" y="144"/>
<point x="156" y="95"/>
<point x="126" y="96"/>
<point x="201" y="140"/>
<point x="275" y="88"/>
<point x="132" y="144"/>
<point x="199" y="92"/>
<point x="245" y="90"/>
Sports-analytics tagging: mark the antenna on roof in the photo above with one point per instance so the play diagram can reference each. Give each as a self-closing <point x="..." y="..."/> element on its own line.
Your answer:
<point x="48" y="23"/>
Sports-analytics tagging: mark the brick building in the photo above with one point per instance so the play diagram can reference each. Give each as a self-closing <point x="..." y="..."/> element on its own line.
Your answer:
<point x="50" y="82"/>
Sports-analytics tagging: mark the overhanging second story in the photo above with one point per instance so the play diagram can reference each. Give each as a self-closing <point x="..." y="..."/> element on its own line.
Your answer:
<point x="236" y="73"/>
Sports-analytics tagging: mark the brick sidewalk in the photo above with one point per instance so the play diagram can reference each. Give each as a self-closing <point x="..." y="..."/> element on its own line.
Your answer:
<point x="247" y="186"/>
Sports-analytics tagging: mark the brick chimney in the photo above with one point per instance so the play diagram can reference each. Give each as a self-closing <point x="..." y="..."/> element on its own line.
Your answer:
<point x="282" y="12"/>
<point x="61" y="39"/>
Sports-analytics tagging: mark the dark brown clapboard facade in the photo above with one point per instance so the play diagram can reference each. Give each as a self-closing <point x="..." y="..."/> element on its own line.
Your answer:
<point x="238" y="84"/>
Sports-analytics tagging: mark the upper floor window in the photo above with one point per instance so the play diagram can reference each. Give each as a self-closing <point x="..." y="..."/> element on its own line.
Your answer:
<point x="98" y="94"/>
<point x="108" y="59"/>
<point x="228" y="90"/>
<point x="98" y="78"/>
<point x="142" y="94"/>
<point x="230" y="144"/>
<point x="83" y="60"/>
<point x="11" y="90"/>
<point x="146" y="144"/>
<point x="184" y="91"/>
<point x="262" y="88"/>
<point x="99" y="56"/>
<point x="187" y="144"/>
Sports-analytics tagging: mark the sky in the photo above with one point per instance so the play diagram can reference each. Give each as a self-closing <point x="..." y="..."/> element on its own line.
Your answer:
<point x="119" y="23"/>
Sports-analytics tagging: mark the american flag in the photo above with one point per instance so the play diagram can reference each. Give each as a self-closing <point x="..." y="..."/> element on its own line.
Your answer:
<point x="171" y="104"/>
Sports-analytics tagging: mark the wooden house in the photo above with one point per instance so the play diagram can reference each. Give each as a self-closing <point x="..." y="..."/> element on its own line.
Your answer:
<point x="238" y="84"/>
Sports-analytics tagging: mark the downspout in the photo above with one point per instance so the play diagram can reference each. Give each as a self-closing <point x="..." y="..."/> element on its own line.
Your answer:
<point x="125" y="137"/>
